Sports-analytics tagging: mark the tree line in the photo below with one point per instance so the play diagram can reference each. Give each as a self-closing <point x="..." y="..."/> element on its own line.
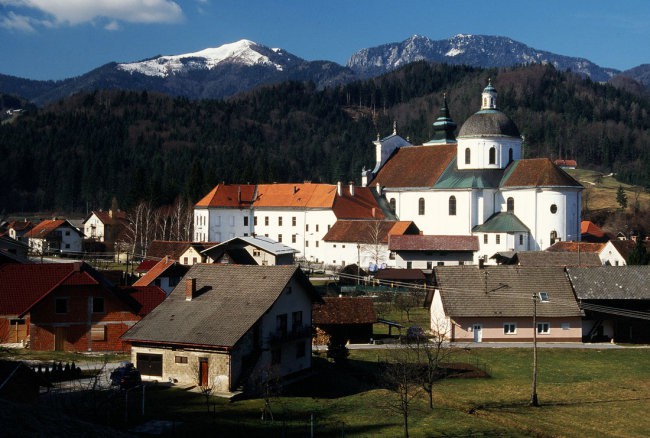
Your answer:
<point x="79" y="153"/>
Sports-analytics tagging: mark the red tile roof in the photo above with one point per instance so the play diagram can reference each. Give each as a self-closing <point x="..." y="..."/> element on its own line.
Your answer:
<point x="344" y="310"/>
<point x="109" y="217"/>
<point x="145" y="265"/>
<point x="155" y="272"/>
<point x="575" y="247"/>
<point x="20" y="225"/>
<point x="538" y="172"/>
<point x="400" y="274"/>
<point x="367" y="231"/>
<point x="21" y="286"/>
<point x="236" y="196"/>
<point x="148" y="297"/>
<point x="415" y="166"/>
<point x="433" y="243"/>
<point x="566" y="163"/>
<point x="44" y="228"/>
<point x="588" y="227"/>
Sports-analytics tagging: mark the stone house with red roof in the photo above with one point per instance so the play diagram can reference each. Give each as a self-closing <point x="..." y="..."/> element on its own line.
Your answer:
<point x="54" y="236"/>
<point x="68" y="307"/>
<point x="477" y="184"/>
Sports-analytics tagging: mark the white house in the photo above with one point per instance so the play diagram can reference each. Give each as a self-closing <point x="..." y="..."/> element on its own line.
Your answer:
<point x="104" y="226"/>
<point x="54" y="236"/>
<point x="251" y="250"/>
<point x="479" y="185"/>
<point x="297" y="215"/>
<point x="228" y="326"/>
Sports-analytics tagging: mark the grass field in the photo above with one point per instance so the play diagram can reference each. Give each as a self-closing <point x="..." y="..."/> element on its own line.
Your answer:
<point x="582" y="393"/>
<point x="600" y="191"/>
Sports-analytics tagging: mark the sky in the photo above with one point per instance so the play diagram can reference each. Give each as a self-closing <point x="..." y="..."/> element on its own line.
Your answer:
<point x="57" y="39"/>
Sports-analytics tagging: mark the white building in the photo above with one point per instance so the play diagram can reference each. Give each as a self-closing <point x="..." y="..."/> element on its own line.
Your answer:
<point x="53" y="236"/>
<point x="478" y="185"/>
<point x="297" y="215"/>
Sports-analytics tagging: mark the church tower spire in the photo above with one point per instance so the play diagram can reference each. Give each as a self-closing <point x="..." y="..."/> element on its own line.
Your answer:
<point x="489" y="97"/>
<point x="444" y="126"/>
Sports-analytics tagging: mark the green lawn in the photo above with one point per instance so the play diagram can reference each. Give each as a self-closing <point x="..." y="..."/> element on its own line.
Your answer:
<point x="582" y="393"/>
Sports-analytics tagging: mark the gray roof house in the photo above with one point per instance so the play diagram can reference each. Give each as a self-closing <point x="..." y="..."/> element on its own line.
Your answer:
<point x="251" y="250"/>
<point x="495" y="303"/>
<point x="616" y="302"/>
<point x="224" y="326"/>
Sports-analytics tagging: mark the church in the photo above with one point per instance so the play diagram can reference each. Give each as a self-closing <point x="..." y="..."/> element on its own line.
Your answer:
<point x="476" y="184"/>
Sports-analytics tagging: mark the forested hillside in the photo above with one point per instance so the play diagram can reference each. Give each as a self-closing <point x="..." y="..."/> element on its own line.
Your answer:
<point x="80" y="152"/>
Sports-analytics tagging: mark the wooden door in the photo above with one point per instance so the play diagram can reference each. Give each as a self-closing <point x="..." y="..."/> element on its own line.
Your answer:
<point x="203" y="371"/>
<point x="59" y="338"/>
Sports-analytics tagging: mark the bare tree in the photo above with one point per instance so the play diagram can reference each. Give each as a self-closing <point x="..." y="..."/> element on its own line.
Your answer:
<point x="401" y="375"/>
<point x="433" y="352"/>
<point x="375" y="245"/>
<point x="406" y="301"/>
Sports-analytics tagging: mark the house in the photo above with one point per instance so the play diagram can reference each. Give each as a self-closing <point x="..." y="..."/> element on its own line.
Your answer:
<point x="248" y="250"/>
<point x="424" y="252"/>
<point x="616" y="252"/>
<point x="54" y="236"/>
<point x="165" y="274"/>
<point x="17" y="229"/>
<point x="225" y="325"/>
<point x="186" y="253"/>
<point x="297" y="215"/>
<point x="364" y="242"/>
<point x="590" y="232"/>
<point x="401" y="277"/>
<point x="64" y="306"/>
<point x="477" y="184"/>
<point x="349" y="319"/>
<point x="616" y="302"/>
<point x="566" y="164"/>
<point x="499" y="303"/>
<point x="105" y="226"/>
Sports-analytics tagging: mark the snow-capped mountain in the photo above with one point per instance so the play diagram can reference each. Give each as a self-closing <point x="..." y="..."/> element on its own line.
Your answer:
<point x="475" y="50"/>
<point x="243" y="52"/>
<point x="212" y="73"/>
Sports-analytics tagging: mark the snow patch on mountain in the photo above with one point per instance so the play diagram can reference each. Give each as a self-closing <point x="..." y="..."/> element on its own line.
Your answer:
<point x="244" y="52"/>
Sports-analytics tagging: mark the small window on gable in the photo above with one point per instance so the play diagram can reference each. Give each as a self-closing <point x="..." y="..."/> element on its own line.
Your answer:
<point x="61" y="305"/>
<point x="98" y="333"/>
<point x="510" y="205"/>
<point x="392" y="204"/>
<point x="421" y="206"/>
<point x="452" y="206"/>
<point x="468" y="156"/>
<point x="493" y="155"/>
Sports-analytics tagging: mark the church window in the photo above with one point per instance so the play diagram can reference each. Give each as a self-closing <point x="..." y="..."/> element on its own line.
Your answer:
<point x="511" y="205"/>
<point x="391" y="202"/>
<point x="498" y="239"/>
<point x="510" y="156"/>
<point x="280" y="238"/>
<point x="553" y="237"/>
<point x="452" y="206"/>
<point x="468" y="156"/>
<point x="553" y="208"/>
<point x="521" y="239"/>
<point x="280" y="221"/>
<point x="485" y="238"/>
<point x="421" y="207"/>
<point x="493" y="155"/>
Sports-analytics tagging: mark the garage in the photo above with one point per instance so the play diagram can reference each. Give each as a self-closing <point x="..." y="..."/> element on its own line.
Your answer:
<point x="149" y="364"/>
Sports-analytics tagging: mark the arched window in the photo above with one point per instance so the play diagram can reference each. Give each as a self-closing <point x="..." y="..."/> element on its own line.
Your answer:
<point x="510" y="156"/>
<point x="554" y="237"/>
<point x="452" y="206"/>
<point x="391" y="202"/>
<point x="468" y="156"/>
<point x="421" y="207"/>
<point x="493" y="155"/>
<point x="511" y="205"/>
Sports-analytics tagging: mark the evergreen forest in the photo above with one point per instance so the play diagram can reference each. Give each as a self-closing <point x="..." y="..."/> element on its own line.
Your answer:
<point x="78" y="154"/>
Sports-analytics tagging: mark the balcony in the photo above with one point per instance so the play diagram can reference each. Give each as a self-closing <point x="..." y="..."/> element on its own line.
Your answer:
<point x="283" y="336"/>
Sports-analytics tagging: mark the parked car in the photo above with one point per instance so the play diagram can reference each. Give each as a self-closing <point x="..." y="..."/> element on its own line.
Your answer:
<point x="415" y="334"/>
<point x="126" y="376"/>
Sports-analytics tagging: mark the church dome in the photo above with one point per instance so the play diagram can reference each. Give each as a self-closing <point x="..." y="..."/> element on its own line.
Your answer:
<point x="489" y="123"/>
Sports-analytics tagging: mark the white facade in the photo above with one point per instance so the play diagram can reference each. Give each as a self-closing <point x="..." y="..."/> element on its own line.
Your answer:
<point x="609" y="255"/>
<point x="94" y="228"/>
<point x="220" y="224"/>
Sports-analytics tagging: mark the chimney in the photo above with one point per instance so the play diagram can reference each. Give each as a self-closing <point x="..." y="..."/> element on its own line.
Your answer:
<point x="190" y="288"/>
<point x="339" y="188"/>
<point x="379" y="189"/>
<point x="351" y="188"/>
<point x="110" y="213"/>
<point x="374" y="212"/>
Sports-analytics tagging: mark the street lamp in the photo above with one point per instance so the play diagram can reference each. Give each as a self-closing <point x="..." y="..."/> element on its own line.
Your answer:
<point x="543" y="298"/>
